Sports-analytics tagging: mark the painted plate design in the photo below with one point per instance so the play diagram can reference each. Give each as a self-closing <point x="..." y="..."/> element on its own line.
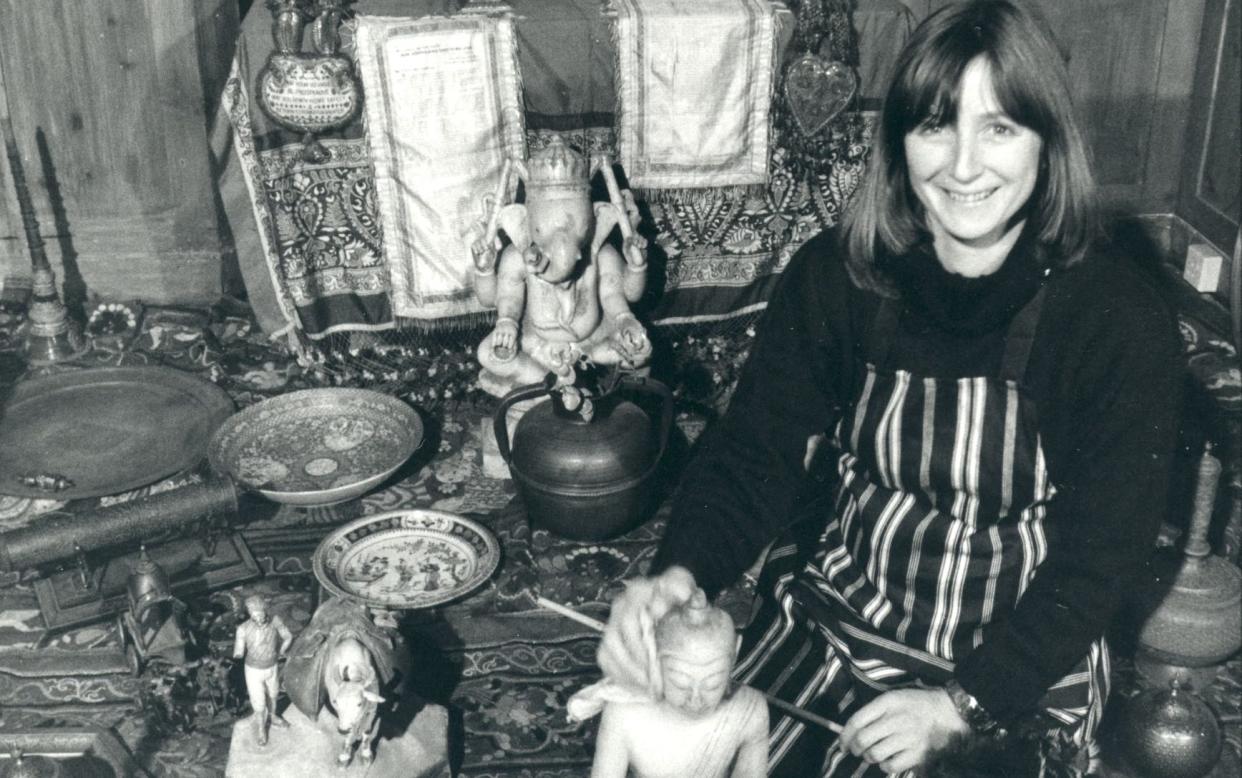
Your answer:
<point x="317" y="446"/>
<point x="407" y="559"/>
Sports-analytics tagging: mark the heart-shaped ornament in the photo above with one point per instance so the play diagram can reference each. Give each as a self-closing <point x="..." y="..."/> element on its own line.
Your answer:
<point x="817" y="89"/>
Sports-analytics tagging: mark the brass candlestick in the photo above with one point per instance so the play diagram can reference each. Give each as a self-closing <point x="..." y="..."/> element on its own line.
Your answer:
<point x="52" y="336"/>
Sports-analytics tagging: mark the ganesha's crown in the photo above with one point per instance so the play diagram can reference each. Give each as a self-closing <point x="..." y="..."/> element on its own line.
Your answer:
<point x="558" y="167"/>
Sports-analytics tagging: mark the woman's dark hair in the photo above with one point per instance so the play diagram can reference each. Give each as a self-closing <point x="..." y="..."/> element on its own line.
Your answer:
<point x="1031" y="85"/>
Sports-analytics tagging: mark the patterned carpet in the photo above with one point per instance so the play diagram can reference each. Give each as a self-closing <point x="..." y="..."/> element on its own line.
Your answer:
<point x="503" y="667"/>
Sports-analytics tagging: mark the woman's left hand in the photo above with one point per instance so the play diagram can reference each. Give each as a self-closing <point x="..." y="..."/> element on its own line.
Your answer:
<point x="900" y="729"/>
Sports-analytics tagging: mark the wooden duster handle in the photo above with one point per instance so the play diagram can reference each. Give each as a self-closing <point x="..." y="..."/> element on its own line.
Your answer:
<point x="30" y="224"/>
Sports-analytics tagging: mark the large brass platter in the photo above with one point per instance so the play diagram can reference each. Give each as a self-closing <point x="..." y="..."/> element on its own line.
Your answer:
<point x="317" y="446"/>
<point x="407" y="559"/>
<point x="108" y="429"/>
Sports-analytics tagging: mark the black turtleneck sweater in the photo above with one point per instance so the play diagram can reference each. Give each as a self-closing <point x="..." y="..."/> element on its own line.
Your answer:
<point x="1105" y="373"/>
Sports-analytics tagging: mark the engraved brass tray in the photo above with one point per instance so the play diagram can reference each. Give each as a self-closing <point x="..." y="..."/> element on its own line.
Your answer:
<point x="317" y="446"/>
<point x="106" y="430"/>
<point x="407" y="559"/>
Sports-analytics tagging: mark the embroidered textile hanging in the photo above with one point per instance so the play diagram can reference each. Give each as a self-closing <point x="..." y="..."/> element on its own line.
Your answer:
<point x="694" y="88"/>
<point x="319" y="243"/>
<point x="443" y="111"/>
<point x="322" y="258"/>
<point x="818" y="87"/>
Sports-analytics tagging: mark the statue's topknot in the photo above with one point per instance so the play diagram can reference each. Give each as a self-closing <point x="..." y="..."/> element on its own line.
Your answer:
<point x="697" y="610"/>
<point x="695" y="620"/>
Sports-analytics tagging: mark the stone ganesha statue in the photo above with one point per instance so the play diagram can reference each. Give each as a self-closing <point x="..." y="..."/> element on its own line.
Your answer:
<point x="562" y="293"/>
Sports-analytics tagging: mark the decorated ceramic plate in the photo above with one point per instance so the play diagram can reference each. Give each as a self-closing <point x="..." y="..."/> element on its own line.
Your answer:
<point x="407" y="559"/>
<point x="317" y="446"/>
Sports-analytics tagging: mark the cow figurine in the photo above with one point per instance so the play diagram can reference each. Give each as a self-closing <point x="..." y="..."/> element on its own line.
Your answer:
<point x="345" y="661"/>
<point x="352" y="686"/>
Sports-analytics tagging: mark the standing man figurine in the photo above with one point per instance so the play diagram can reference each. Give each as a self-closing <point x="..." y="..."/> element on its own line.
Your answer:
<point x="260" y="641"/>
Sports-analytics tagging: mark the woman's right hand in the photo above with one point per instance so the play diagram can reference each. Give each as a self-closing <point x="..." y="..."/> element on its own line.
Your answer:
<point x="627" y="652"/>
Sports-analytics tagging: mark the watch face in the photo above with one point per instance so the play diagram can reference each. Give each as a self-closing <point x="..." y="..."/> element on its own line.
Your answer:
<point x="978" y="720"/>
<point x="969" y="709"/>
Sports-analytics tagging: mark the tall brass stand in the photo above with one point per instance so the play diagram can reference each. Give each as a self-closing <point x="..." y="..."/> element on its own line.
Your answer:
<point x="52" y="336"/>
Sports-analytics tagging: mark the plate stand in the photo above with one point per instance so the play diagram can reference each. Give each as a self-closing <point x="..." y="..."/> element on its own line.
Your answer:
<point x="318" y="515"/>
<point x="65" y="602"/>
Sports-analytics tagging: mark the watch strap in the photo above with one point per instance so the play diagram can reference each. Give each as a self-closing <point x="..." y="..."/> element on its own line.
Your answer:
<point x="974" y="714"/>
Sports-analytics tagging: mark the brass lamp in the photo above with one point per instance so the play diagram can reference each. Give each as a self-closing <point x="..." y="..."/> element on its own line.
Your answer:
<point x="155" y="616"/>
<point x="52" y="336"/>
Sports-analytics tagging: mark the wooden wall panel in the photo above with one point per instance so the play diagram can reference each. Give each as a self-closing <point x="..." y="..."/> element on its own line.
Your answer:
<point x="1131" y="64"/>
<point x="116" y="87"/>
<point x="1164" y="150"/>
<point x="1211" y="195"/>
<point x="1114" y="48"/>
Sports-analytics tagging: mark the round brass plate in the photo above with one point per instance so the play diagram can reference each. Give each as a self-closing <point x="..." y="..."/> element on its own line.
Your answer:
<point x="317" y="446"/>
<point x="107" y="430"/>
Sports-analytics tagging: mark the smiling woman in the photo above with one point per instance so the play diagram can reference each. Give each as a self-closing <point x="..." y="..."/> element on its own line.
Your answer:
<point x="973" y="174"/>
<point x="978" y="103"/>
<point x="1002" y="392"/>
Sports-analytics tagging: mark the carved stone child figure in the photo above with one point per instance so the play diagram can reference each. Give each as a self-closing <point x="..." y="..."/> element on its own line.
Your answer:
<point x="700" y="727"/>
<point x="260" y="641"/>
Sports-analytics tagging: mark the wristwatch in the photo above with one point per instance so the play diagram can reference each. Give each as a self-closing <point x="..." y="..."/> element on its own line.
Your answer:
<point x="980" y="722"/>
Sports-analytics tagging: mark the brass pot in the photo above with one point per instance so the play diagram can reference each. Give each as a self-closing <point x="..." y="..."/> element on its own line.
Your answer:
<point x="586" y="472"/>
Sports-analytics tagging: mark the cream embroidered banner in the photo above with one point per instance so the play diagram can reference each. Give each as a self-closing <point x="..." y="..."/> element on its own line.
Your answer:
<point x="443" y="111"/>
<point x="694" y="91"/>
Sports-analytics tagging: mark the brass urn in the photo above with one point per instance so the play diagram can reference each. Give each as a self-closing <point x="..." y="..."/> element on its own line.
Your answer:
<point x="1194" y="597"/>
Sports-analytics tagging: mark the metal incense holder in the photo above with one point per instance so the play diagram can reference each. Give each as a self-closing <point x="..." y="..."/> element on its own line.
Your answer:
<point x="52" y="335"/>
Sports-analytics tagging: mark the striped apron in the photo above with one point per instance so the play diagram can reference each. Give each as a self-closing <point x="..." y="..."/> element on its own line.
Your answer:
<point x="937" y="529"/>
